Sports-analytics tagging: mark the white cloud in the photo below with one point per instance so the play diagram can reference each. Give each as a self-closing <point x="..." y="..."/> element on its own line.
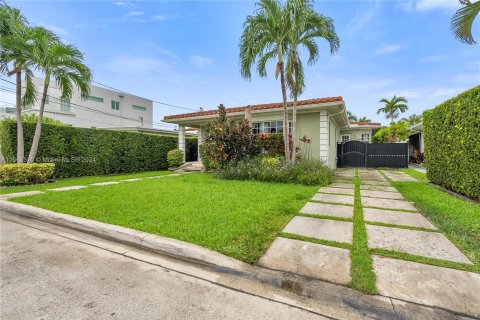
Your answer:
<point x="200" y="61"/>
<point x="426" y="5"/>
<point x="434" y="58"/>
<point x="361" y="19"/>
<point x="406" y="93"/>
<point x="389" y="48"/>
<point x="137" y="65"/>
<point x="135" y="13"/>
<point x="445" y="92"/>
<point x="57" y="30"/>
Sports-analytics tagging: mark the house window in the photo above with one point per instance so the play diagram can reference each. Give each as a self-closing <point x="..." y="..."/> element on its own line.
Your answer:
<point x="65" y="105"/>
<point x="115" y="105"/>
<point x="140" y="108"/>
<point x="96" y="99"/>
<point x="345" y="138"/>
<point x="269" y="127"/>
<point x="365" y="137"/>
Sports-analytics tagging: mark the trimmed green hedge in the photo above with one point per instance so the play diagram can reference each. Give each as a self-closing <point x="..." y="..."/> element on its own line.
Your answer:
<point x="14" y="174"/>
<point x="84" y="152"/>
<point x="452" y="143"/>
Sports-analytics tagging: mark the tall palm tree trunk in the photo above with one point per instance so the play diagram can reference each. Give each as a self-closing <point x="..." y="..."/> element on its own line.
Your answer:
<point x="285" y="113"/>
<point x="18" y="109"/>
<point x="38" y="127"/>
<point x="294" y="130"/>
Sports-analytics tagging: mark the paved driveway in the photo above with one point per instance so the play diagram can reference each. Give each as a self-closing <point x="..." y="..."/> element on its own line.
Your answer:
<point x="46" y="276"/>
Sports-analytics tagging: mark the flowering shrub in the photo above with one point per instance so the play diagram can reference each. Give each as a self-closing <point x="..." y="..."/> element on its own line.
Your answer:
<point x="25" y="173"/>
<point x="227" y="140"/>
<point x="305" y="171"/>
<point x="418" y="156"/>
<point x="271" y="144"/>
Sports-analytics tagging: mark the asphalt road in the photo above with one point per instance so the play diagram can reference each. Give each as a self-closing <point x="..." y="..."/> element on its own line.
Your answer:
<point x="46" y="276"/>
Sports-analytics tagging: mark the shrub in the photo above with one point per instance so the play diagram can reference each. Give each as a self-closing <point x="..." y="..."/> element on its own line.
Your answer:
<point x="271" y="145"/>
<point x="395" y="132"/>
<point x="452" y="143"/>
<point x="227" y="140"/>
<point x="83" y="152"/>
<point x="23" y="173"/>
<point x="175" y="158"/>
<point x="305" y="171"/>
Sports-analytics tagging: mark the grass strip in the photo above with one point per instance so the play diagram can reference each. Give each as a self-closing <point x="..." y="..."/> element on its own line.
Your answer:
<point x="330" y="243"/>
<point x="425" y="260"/>
<point x="322" y="216"/>
<point x="416" y="174"/>
<point x="363" y="277"/>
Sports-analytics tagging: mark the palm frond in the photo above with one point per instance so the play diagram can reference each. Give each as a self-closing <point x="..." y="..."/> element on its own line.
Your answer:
<point x="462" y="21"/>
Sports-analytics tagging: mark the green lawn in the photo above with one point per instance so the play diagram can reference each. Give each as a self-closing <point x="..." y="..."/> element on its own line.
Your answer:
<point x="416" y="174"/>
<point x="81" y="181"/>
<point x="237" y="218"/>
<point x="457" y="218"/>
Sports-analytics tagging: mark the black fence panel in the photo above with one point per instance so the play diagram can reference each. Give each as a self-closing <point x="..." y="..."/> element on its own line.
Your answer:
<point x="372" y="155"/>
<point x="391" y="155"/>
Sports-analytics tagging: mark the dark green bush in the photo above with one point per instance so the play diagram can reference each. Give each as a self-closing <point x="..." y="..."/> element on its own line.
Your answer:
<point x="83" y="152"/>
<point x="452" y="143"/>
<point x="271" y="144"/>
<point x="175" y="158"/>
<point x="14" y="174"/>
<point x="305" y="171"/>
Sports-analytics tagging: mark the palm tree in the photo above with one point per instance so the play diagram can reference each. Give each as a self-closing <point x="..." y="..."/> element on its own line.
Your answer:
<point x="351" y="117"/>
<point x="462" y="21"/>
<point x="413" y="119"/>
<point x="15" y="51"/>
<point x="306" y="26"/>
<point x="364" y="119"/>
<point x="393" y="107"/>
<point x="62" y="63"/>
<point x="264" y="39"/>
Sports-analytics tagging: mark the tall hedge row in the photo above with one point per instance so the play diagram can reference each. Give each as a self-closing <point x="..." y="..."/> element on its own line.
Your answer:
<point x="83" y="152"/>
<point x="452" y="143"/>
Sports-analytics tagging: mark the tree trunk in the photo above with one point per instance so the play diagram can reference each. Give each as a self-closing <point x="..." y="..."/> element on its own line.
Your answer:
<point x="38" y="127"/>
<point x="18" y="109"/>
<point x="285" y="112"/>
<point x="294" y="130"/>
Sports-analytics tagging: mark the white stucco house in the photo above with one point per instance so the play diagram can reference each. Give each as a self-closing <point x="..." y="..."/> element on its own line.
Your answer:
<point x="103" y="108"/>
<point x="322" y="120"/>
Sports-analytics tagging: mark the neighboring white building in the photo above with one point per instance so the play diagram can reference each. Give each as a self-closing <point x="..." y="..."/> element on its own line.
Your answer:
<point x="103" y="108"/>
<point x="363" y="131"/>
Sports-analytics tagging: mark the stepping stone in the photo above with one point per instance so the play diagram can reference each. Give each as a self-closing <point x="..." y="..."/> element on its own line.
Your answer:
<point x="173" y="175"/>
<point x="19" y="194"/>
<point x="397" y="217"/>
<point x="388" y="204"/>
<point x="68" y="188"/>
<point x="429" y="285"/>
<point x="381" y="194"/>
<point x="105" y="183"/>
<point x="342" y="185"/>
<point x="131" y="180"/>
<point x="326" y="209"/>
<point x="323" y="229"/>
<point x="377" y="188"/>
<point x="421" y="243"/>
<point x="154" y="177"/>
<point x="350" y="192"/>
<point x="375" y="183"/>
<point x="371" y="175"/>
<point x="308" y="259"/>
<point x="333" y="198"/>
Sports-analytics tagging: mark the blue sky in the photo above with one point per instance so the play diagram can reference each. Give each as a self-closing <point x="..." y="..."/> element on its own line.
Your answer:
<point x="186" y="53"/>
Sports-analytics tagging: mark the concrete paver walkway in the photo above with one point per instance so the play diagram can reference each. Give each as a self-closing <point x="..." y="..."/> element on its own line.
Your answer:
<point x="398" y="233"/>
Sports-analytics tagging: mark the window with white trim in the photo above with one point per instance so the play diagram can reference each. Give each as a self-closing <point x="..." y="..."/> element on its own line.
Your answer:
<point x="345" y="138"/>
<point x="269" y="127"/>
<point x="365" y="137"/>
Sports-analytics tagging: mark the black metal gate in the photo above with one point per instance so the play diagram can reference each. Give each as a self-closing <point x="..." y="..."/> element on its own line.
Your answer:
<point x="356" y="153"/>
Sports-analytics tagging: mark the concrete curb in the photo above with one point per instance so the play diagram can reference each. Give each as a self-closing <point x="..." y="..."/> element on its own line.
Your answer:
<point x="338" y="301"/>
<point x="167" y="246"/>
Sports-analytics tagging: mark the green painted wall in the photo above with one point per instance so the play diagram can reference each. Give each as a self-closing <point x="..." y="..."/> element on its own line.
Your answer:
<point x="308" y="125"/>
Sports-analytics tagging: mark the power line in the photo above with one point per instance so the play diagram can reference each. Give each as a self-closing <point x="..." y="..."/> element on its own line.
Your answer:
<point x="159" y="102"/>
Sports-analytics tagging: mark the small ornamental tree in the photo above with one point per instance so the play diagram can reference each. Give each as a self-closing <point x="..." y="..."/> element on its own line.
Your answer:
<point x="227" y="140"/>
<point x="395" y="132"/>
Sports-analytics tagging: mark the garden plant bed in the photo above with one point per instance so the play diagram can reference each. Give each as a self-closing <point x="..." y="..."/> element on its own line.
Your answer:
<point x="237" y="218"/>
